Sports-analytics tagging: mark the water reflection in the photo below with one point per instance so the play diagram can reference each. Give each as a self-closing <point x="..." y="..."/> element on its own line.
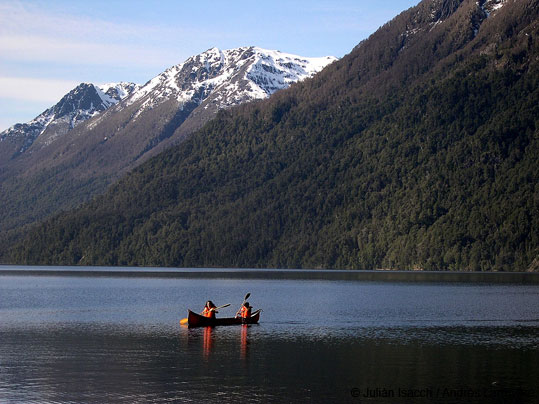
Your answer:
<point x="205" y="339"/>
<point x="208" y="342"/>
<point x="244" y="341"/>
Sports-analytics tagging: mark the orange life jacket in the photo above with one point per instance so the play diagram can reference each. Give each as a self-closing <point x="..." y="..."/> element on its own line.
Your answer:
<point x="245" y="312"/>
<point x="208" y="313"/>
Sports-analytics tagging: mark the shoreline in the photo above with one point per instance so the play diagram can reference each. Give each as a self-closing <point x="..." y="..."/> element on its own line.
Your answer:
<point x="528" y="278"/>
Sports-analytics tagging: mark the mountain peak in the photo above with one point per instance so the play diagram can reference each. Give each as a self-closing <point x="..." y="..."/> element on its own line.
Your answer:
<point x="118" y="91"/>
<point x="78" y="105"/>
<point x="250" y="71"/>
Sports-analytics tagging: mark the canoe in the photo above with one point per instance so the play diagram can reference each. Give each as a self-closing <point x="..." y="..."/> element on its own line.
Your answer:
<point x="196" y="320"/>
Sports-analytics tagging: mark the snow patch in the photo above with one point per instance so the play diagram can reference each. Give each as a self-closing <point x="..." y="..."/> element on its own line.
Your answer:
<point x="491" y="6"/>
<point x="106" y="99"/>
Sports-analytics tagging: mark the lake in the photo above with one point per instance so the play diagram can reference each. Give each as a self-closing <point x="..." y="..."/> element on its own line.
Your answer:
<point x="113" y="335"/>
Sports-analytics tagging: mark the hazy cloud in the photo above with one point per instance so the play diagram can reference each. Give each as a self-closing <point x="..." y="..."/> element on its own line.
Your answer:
<point x="45" y="53"/>
<point x="30" y="34"/>
<point x="32" y="89"/>
<point x="51" y="49"/>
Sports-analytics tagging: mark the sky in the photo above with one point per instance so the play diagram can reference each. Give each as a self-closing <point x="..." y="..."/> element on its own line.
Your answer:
<point x="49" y="47"/>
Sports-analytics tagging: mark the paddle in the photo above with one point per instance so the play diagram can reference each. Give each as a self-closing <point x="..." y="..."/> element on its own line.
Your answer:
<point x="220" y="307"/>
<point x="185" y="320"/>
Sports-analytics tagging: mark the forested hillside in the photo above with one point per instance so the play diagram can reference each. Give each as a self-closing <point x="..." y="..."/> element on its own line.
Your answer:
<point x="418" y="150"/>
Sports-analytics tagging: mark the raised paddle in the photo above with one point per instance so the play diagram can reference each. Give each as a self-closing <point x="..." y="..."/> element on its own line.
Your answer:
<point x="185" y="320"/>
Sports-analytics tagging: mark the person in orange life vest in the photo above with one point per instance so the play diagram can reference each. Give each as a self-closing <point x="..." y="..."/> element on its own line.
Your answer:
<point x="244" y="311"/>
<point x="209" y="309"/>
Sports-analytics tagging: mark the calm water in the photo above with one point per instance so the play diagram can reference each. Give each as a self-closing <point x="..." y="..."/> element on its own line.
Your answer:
<point x="90" y="339"/>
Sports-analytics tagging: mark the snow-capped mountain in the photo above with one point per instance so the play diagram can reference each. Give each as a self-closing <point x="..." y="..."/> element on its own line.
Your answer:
<point x="223" y="78"/>
<point x="237" y="74"/>
<point x="184" y="97"/>
<point x="193" y="92"/>
<point x="80" y="104"/>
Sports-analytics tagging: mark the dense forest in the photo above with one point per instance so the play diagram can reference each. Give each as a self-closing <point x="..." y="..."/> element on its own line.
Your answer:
<point x="418" y="150"/>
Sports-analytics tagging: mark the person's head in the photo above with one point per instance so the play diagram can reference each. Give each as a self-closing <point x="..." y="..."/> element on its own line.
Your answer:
<point x="209" y="304"/>
<point x="246" y="304"/>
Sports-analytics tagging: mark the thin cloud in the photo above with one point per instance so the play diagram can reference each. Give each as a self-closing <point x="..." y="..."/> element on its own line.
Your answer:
<point x="50" y="49"/>
<point x="55" y="47"/>
<point x="32" y="89"/>
<point x="28" y="33"/>
<point x="30" y="19"/>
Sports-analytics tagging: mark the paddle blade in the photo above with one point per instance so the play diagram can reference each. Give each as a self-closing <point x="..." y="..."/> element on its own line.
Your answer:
<point x="183" y="321"/>
<point x="247" y="296"/>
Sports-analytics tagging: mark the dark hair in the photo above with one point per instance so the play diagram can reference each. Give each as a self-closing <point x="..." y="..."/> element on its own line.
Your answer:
<point x="210" y="304"/>
<point x="246" y="304"/>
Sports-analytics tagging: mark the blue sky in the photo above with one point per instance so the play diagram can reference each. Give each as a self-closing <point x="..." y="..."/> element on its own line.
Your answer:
<point x="48" y="47"/>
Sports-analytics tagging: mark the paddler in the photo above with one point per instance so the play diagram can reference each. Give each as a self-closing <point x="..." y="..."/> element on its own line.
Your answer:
<point x="244" y="311"/>
<point x="209" y="309"/>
